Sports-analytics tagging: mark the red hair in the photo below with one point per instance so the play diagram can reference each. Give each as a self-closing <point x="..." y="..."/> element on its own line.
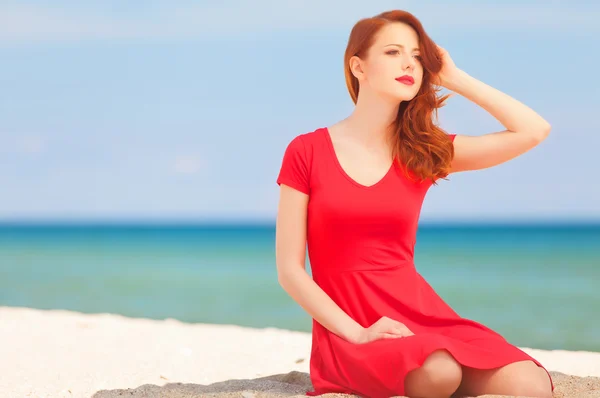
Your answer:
<point x="420" y="146"/>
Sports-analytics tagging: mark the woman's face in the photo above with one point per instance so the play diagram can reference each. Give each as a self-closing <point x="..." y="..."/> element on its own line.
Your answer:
<point x="394" y="54"/>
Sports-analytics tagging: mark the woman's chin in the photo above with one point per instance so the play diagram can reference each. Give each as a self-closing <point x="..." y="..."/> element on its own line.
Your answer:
<point x="406" y="96"/>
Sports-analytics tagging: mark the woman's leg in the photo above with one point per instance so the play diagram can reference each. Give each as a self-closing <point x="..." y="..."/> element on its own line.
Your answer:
<point x="438" y="377"/>
<point x="523" y="378"/>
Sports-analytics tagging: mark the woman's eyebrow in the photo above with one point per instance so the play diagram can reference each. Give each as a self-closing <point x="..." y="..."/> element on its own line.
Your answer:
<point x="401" y="46"/>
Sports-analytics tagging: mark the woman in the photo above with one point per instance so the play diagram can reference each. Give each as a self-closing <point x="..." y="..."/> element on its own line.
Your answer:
<point x="353" y="192"/>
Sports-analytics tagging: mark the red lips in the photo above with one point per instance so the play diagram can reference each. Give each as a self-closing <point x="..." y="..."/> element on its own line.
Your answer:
<point x="406" y="79"/>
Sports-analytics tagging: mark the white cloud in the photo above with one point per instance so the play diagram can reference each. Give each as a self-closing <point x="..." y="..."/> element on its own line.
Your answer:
<point x="31" y="144"/>
<point x="20" y="23"/>
<point x="187" y="164"/>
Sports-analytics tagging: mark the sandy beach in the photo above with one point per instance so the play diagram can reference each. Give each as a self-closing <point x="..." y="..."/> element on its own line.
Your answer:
<point x="56" y="353"/>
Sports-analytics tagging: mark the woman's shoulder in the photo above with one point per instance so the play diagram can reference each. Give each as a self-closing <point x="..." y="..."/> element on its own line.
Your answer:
<point x="297" y="165"/>
<point x="309" y="142"/>
<point x="310" y="137"/>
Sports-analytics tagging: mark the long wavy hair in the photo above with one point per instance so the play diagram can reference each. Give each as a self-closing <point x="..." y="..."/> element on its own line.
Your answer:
<point x="420" y="146"/>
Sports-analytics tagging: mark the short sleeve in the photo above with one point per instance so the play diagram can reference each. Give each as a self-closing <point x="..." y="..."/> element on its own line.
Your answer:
<point x="294" y="170"/>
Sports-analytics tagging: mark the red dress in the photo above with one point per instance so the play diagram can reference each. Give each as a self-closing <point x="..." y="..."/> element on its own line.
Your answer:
<point x="361" y="243"/>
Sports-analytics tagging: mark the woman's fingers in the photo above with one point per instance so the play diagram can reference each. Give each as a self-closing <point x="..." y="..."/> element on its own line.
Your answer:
<point x="404" y="331"/>
<point x="391" y="335"/>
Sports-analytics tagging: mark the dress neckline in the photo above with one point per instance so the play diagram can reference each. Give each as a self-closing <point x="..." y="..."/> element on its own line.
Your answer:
<point x="343" y="172"/>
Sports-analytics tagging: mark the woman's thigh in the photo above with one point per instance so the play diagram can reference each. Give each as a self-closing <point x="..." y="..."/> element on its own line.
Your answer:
<point x="523" y="378"/>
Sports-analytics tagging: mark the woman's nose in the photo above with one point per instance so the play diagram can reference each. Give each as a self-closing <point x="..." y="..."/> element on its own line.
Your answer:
<point x="408" y="62"/>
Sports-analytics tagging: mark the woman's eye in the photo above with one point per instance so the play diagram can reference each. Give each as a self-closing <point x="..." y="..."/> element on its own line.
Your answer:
<point x="392" y="52"/>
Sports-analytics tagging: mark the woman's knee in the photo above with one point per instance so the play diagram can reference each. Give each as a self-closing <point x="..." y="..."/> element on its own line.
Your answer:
<point x="534" y="384"/>
<point x="443" y="369"/>
<point x="522" y="378"/>
<point x="439" y="374"/>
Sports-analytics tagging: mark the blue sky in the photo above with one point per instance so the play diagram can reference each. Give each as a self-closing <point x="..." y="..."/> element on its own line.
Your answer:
<point x="181" y="110"/>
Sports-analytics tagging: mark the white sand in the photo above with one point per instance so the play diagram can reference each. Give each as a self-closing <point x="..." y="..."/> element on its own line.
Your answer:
<point x="68" y="354"/>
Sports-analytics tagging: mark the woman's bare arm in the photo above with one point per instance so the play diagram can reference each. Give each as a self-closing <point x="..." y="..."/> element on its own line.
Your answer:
<point x="290" y="254"/>
<point x="525" y="129"/>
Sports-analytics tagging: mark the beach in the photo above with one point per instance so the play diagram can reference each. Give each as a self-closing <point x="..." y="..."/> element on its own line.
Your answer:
<point x="59" y="353"/>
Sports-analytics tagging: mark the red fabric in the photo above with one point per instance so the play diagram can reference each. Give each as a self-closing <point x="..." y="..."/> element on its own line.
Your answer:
<point x="361" y="244"/>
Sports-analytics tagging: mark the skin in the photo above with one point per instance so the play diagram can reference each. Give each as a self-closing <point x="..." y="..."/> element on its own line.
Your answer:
<point x="362" y="145"/>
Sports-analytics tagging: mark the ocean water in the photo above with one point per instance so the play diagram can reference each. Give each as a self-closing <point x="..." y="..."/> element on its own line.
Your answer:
<point x="539" y="286"/>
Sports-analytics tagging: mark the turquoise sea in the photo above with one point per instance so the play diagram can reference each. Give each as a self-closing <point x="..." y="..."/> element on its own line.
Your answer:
<point x="538" y="285"/>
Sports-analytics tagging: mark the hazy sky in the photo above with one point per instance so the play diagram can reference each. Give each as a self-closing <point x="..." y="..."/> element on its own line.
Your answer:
<point x="182" y="110"/>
